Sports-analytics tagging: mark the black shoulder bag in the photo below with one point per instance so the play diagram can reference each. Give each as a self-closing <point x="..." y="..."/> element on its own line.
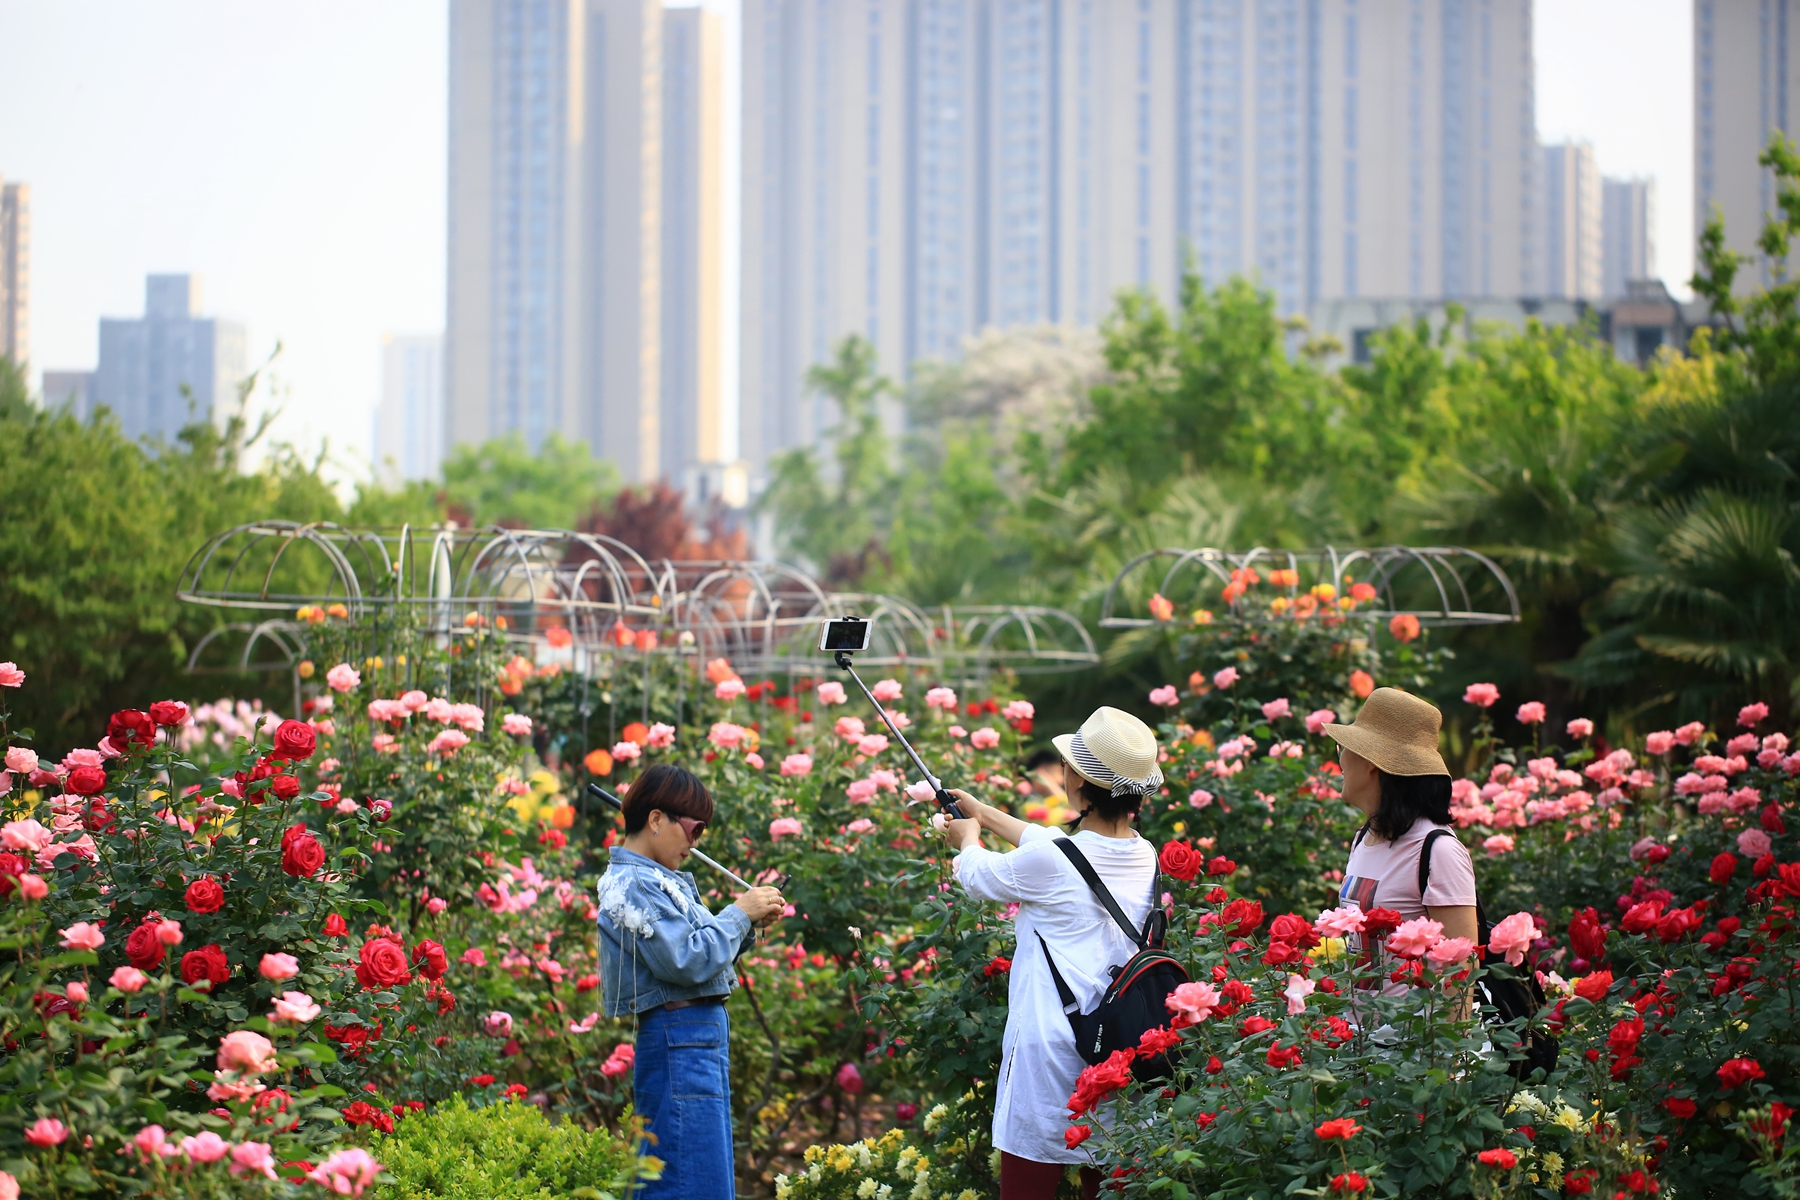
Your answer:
<point x="1510" y="997"/>
<point x="1135" y="1002"/>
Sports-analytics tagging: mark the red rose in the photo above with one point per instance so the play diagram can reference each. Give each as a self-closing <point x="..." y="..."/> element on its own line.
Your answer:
<point x="1771" y="819"/>
<point x="998" y="965"/>
<point x="1656" y="854"/>
<point x="1593" y="988"/>
<point x="1255" y="1025"/>
<point x="1580" y="1183"/>
<point x="1680" y="1106"/>
<point x="481" y="1081"/>
<point x="11" y="867"/>
<point x="205" y="896"/>
<point x="1586" y="935"/>
<point x="1220" y="866"/>
<point x="1241" y="917"/>
<point x="382" y="965"/>
<point x="85" y="781"/>
<point x="128" y="725"/>
<point x="301" y="854"/>
<point x="430" y="958"/>
<point x="1181" y="860"/>
<point x="1379" y="922"/>
<point x="1295" y="930"/>
<point x="143" y="948"/>
<point x="335" y="926"/>
<point x="169" y="712"/>
<point x="587" y="983"/>
<point x="294" y="741"/>
<point x="1641" y="918"/>
<point x="285" y="787"/>
<point x="208" y="962"/>
<point x="1739" y="1071"/>
<point x="1724" y="866"/>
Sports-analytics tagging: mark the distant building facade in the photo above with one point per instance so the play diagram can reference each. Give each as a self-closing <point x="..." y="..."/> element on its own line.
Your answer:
<point x="159" y="371"/>
<point x="1745" y="55"/>
<point x="558" y="219"/>
<point x="409" y="421"/>
<point x="71" y="390"/>
<point x="15" y="272"/>
<point x="914" y="172"/>
<point x="1627" y="234"/>
<point x="1572" y="223"/>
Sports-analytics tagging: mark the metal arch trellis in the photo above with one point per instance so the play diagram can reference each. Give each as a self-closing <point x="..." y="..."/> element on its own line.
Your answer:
<point x="1402" y="576"/>
<point x="761" y="616"/>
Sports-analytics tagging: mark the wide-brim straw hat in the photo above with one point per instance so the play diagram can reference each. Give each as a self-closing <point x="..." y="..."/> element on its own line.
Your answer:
<point x="1114" y="750"/>
<point x="1396" y="731"/>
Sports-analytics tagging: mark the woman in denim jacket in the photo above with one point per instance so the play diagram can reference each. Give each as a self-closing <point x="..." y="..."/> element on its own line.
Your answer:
<point x="667" y="961"/>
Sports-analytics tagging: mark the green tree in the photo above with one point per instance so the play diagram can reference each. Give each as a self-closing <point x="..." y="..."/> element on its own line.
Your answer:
<point x="501" y="482"/>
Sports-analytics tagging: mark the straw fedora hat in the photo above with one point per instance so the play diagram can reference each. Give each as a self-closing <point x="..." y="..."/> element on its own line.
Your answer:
<point x="1114" y="750"/>
<point x="1396" y="731"/>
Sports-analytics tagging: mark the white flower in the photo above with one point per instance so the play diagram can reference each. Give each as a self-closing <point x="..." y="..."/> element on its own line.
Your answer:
<point x="856" y="933"/>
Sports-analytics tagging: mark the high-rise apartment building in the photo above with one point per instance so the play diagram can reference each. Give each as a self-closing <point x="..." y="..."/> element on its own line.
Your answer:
<point x="916" y="170"/>
<point x="555" y="210"/>
<point x="1627" y="234"/>
<point x="170" y="366"/>
<point x="70" y="390"/>
<point x="694" y="109"/>
<point x="15" y="271"/>
<point x="409" y="421"/>
<point x="1745" y="54"/>
<point x="1572" y="222"/>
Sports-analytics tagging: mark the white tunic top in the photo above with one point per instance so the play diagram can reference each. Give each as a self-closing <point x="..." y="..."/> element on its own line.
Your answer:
<point x="1039" y="1064"/>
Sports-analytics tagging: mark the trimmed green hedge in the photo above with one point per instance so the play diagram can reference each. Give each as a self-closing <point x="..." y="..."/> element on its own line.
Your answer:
<point x="506" y="1151"/>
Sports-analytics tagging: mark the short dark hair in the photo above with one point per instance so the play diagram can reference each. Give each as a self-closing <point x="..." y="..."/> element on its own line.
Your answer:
<point x="674" y="790"/>
<point x="1101" y="802"/>
<point x="1406" y="798"/>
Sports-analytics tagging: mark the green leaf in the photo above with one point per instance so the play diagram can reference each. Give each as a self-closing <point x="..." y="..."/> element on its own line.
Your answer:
<point x="317" y="1052"/>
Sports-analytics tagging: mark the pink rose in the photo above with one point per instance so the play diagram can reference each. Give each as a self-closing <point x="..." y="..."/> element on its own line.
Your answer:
<point x="920" y="791"/>
<point x="626" y="751"/>
<point x="1225" y="678"/>
<point x="1413" y="938"/>
<point x="252" y="1158"/>
<point x="1690" y="733"/>
<point x="622" y="1056"/>
<point x="516" y="725"/>
<point x="1581" y="727"/>
<point x="247" y="1053"/>
<point x="436" y="905"/>
<point x="129" y="980"/>
<point x="1199" y="798"/>
<point x="45" y="1131"/>
<point x="848" y="728"/>
<point x="1449" y="951"/>
<point x="985" y="739"/>
<point x="1512" y="937"/>
<point x="872" y="744"/>
<point x="1659" y="743"/>
<point x="1019" y="710"/>
<point x="1483" y="694"/>
<point x="832" y="693"/>
<point x="941" y="697"/>
<point x="782" y="827"/>
<point x="1340" y="922"/>
<point x="725" y="735"/>
<point x="474" y="956"/>
<point x="25" y="835"/>
<point x="205" y="1147"/>
<point x="21" y="759"/>
<point x="1165" y="696"/>
<point x="886" y="690"/>
<point x="796" y="764"/>
<point x="343" y="678"/>
<point x="448" y="742"/>
<point x="414" y="701"/>
<point x="729" y="689"/>
<point x="497" y="1024"/>
<point x="1193" y="1000"/>
<point x="77" y="992"/>
<point x="1753" y="714"/>
<point x="32" y="887"/>
<point x="1754" y="843"/>
<point x="1317" y="721"/>
<point x="279" y="966"/>
<point x="1497" y="845"/>
<point x="1531" y="713"/>
<point x="1274" y="710"/>
<point x="346" y="1173"/>
<point x="83" y="936"/>
<point x="661" y="736"/>
<point x="153" y="1142"/>
<point x="297" y="1007"/>
<point x="754" y="761"/>
<point x="10" y="675"/>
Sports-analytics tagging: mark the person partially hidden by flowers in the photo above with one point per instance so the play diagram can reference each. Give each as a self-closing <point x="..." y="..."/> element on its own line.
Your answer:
<point x="1395" y="777"/>
<point x="666" y="960"/>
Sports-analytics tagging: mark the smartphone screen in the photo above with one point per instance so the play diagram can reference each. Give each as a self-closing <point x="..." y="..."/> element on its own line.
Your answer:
<point x="845" y="633"/>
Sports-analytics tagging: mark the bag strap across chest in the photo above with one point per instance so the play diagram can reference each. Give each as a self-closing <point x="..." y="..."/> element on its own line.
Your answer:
<point x="1073" y="853"/>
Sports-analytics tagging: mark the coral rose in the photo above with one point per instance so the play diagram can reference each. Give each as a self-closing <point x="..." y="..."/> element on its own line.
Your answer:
<point x="129" y="980"/>
<point x="247" y="1053"/>
<point x="277" y="967"/>
<point x="1513" y="936"/>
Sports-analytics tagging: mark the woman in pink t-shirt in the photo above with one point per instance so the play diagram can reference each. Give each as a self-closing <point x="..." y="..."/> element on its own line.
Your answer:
<point x="1395" y="777"/>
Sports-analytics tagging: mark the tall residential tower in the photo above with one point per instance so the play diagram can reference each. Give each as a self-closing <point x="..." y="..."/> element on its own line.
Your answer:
<point x="15" y="272"/>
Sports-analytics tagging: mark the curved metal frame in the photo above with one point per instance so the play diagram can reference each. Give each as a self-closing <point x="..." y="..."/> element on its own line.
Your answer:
<point x="1384" y="564"/>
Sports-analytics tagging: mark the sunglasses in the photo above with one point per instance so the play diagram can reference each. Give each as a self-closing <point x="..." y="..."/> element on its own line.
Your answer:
<point x="689" y="825"/>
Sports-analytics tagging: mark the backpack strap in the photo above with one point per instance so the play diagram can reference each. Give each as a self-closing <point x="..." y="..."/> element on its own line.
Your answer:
<point x="1063" y="992"/>
<point x="1482" y="928"/>
<point x="1073" y="853"/>
<point x="1358" y="839"/>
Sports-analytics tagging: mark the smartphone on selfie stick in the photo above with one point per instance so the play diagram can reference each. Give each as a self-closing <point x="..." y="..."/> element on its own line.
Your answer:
<point x="843" y="636"/>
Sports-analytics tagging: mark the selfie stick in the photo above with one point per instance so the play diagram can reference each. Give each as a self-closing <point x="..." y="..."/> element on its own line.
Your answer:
<point x="614" y="801"/>
<point x="946" y="804"/>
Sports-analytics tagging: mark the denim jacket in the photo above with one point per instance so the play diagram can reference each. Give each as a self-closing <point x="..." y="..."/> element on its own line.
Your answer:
<point x="658" y="942"/>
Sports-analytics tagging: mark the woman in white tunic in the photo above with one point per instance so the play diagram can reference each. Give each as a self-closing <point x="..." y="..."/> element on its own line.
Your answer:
<point x="1109" y="766"/>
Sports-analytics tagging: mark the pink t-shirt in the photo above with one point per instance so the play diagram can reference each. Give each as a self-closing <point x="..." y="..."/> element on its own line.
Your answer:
<point x="1386" y="875"/>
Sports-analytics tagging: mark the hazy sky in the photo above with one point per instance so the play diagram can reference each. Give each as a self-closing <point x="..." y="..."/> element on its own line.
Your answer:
<point x="292" y="155"/>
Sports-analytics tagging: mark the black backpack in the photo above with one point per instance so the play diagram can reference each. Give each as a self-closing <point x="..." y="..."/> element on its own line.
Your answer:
<point x="1510" y="997"/>
<point x="1134" y="1003"/>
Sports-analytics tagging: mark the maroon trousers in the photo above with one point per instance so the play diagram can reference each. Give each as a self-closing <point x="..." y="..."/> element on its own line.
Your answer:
<point x="1024" y="1179"/>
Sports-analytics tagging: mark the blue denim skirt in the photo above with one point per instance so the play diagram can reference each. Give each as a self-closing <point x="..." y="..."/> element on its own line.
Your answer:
<point x="681" y="1084"/>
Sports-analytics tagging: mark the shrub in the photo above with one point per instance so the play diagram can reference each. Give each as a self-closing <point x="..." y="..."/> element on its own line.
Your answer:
<point x="506" y="1151"/>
